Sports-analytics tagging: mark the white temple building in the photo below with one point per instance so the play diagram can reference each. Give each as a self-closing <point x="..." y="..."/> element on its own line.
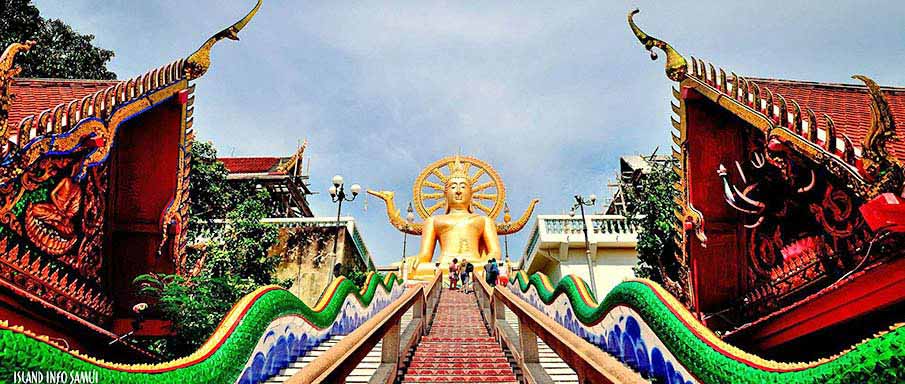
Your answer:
<point x="556" y="247"/>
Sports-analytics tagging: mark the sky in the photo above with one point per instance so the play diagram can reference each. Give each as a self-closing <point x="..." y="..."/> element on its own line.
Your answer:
<point x="549" y="93"/>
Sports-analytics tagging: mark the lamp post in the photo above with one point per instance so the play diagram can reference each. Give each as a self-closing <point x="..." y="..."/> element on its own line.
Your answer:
<point x="506" y="218"/>
<point x="338" y="195"/>
<point x="580" y="203"/>
<point x="409" y="219"/>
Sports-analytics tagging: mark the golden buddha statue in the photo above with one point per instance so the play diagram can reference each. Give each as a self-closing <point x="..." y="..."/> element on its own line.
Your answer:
<point x="462" y="232"/>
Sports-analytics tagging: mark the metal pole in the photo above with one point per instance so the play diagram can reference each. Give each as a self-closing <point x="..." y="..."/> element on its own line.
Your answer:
<point x="298" y="275"/>
<point x="587" y="245"/>
<point x="340" y="197"/>
<point x="402" y="263"/>
<point x="508" y="262"/>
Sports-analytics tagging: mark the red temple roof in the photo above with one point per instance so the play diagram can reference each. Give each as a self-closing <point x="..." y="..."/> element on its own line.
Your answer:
<point x="848" y="105"/>
<point x="36" y="95"/>
<point x="251" y="164"/>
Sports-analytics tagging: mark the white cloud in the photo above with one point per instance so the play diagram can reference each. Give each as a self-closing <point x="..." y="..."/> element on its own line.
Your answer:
<point x="550" y="93"/>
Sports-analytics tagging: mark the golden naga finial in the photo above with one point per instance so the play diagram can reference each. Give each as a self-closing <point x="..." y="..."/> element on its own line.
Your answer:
<point x="199" y="61"/>
<point x="676" y="65"/>
<point x="875" y="157"/>
<point x="393" y="214"/>
<point x="510" y="227"/>
<point x="7" y="72"/>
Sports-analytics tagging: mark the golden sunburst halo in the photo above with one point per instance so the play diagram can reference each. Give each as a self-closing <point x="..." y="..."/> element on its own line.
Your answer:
<point x="488" y="191"/>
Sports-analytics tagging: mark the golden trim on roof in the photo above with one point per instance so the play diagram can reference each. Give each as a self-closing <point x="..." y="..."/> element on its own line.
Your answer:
<point x="783" y="119"/>
<point x="295" y="160"/>
<point x="676" y="65"/>
<point x="876" y="159"/>
<point x="101" y="104"/>
<point x="7" y="72"/>
<point x="197" y="64"/>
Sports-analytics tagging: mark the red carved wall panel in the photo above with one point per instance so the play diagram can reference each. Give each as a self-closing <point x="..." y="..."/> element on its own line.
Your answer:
<point x="714" y="137"/>
<point x="143" y="167"/>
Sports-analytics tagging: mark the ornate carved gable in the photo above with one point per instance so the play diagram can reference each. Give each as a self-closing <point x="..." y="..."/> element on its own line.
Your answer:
<point x="786" y="186"/>
<point x="58" y="188"/>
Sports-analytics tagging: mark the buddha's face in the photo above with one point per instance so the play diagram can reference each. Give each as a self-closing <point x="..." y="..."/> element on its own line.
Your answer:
<point x="458" y="194"/>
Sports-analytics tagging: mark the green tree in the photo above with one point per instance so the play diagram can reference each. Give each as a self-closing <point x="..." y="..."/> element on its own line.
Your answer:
<point x="211" y="196"/>
<point x="235" y="257"/>
<point x="61" y="52"/>
<point x="652" y="198"/>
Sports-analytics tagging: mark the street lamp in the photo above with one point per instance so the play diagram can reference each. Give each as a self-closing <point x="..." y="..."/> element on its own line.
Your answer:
<point x="580" y="203"/>
<point x="506" y="218"/>
<point x="338" y="195"/>
<point x="409" y="219"/>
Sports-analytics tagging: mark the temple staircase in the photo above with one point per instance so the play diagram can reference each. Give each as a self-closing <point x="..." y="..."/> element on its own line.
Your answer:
<point x="435" y="335"/>
<point x="362" y="372"/>
<point x="458" y="347"/>
<point x="558" y="371"/>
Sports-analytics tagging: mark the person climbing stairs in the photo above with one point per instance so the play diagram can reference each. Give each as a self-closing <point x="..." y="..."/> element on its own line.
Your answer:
<point x="458" y="348"/>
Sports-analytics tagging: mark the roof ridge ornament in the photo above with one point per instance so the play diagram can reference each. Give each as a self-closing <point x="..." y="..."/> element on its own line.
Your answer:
<point x="676" y="65"/>
<point x="7" y="72"/>
<point x="199" y="61"/>
<point x="877" y="160"/>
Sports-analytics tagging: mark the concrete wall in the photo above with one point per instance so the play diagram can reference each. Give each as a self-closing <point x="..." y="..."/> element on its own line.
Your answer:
<point x="305" y="260"/>
<point x="305" y="246"/>
<point x="611" y="266"/>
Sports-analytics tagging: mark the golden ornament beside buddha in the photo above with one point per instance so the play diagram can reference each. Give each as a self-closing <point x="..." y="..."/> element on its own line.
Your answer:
<point x="463" y="232"/>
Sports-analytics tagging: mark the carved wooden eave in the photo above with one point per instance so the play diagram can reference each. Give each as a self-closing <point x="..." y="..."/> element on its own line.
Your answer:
<point x="864" y="171"/>
<point x="102" y="104"/>
<point x="770" y="115"/>
<point x="783" y="119"/>
<point x="8" y="70"/>
<point x="92" y="122"/>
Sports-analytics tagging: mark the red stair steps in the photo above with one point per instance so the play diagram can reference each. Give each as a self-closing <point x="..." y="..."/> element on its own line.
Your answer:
<point x="458" y="348"/>
<point x="463" y="365"/>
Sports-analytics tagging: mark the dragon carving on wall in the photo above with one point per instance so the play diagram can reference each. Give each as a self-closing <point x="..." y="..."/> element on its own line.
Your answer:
<point x="799" y="226"/>
<point x="51" y="225"/>
<point x="52" y="232"/>
<point x="58" y="214"/>
<point x="802" y="218"/>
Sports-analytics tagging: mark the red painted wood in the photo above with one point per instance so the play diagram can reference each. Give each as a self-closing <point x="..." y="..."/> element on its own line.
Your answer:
<point x="142" y="182"/>
<point x="874" y="289"/>
<point x="886" y="211"/>
<point x="714" y="137"/>
<point x="182" y="97"/>
<point x="149" y="327"/>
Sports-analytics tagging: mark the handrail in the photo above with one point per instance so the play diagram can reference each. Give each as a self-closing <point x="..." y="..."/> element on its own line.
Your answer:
<point x="338" y="361"/>
<point x="484" y="293"/>
<point x="432" y="297"/>
<point x="590" y="363"/>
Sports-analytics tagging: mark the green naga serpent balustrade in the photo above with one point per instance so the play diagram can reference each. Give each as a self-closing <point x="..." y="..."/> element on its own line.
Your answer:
<point x="647" y="329"/>
<point x="262" y="334"/>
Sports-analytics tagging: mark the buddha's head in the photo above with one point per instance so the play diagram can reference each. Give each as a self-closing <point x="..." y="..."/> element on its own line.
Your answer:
<point x="458" y="189"/>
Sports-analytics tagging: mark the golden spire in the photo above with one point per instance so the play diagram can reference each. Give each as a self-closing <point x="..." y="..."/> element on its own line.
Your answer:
<point x="458" y="170"/>
<point x="7" y="72"/>
<point x="676" y="65"/>
<point x="198" y="62"/>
